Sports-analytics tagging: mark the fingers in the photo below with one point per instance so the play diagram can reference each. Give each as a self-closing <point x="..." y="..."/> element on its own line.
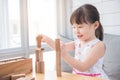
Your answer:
<point x="39" y="40"/>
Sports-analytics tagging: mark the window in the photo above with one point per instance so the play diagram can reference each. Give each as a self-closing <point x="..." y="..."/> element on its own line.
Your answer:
<point x="10" y="24"/>
<point x="21" y="21"/>
<point x="41" y="19"/>
<point x="64" y="13"/>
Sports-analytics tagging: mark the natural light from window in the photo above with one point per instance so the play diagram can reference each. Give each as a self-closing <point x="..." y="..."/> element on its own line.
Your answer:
<point x="41" y="19"/>
<point x="10" y="24"/>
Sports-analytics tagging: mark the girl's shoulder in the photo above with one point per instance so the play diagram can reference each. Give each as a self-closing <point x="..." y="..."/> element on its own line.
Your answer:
<point x="98" y="43"/>
<point x="100" y="46"/>
<point x="101" y="43"/>
<point x="95" y="42"/>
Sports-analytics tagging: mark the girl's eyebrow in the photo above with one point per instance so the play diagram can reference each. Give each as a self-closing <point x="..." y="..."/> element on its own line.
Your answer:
<point x="80" y="26"/>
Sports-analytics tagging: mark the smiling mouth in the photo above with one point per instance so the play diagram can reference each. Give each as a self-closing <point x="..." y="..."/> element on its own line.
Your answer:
<point x="79" y="36"/>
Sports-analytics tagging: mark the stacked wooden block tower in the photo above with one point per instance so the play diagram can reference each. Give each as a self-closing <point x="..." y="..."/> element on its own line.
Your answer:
<point x="39" y="60"/>
<point x="39" y="57"/>
<point x="39" y="64"/>
<point x="17" y="68"/>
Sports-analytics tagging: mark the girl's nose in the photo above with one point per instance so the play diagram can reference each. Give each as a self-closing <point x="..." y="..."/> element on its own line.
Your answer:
<point x="76" y="30"/>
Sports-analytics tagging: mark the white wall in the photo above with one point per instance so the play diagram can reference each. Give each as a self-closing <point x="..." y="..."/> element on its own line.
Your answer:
<point x="109" y="13"/>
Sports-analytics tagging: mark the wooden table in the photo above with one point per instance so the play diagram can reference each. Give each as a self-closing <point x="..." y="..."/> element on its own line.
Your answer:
<point x="51" y="75"/>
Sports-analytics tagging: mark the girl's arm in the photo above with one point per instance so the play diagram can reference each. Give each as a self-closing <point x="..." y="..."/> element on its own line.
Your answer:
<point x="46" y="39"/>
<point x="94" y="55"/>
<point x="70" y="46"/>
<point x="51" y="42"/>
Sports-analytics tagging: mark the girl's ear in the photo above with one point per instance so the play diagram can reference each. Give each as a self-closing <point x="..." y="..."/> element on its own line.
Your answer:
<point x="96" y="24"/>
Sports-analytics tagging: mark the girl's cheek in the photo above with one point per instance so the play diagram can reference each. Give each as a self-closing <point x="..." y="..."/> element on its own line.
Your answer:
<point x="75" y="31"/>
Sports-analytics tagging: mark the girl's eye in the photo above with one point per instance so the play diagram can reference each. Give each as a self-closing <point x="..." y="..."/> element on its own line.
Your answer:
<point x="79" y="27"/>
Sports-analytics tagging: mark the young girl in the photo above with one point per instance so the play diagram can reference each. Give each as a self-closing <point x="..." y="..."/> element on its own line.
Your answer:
<point x="89" y="48"/>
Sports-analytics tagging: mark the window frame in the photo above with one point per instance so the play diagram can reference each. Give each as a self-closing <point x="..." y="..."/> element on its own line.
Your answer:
<point x="24" y="49"/>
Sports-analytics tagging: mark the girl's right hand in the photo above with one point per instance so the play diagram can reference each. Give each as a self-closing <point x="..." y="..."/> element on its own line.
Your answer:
<point x="40" y="38"/>
<point x="43" y="38"/>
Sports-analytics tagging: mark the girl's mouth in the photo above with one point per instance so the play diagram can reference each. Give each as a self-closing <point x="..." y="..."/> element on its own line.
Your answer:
<point x="79" y="36"/>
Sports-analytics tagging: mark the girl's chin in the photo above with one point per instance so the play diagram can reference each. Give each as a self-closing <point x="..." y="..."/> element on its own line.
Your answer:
<point x="81" y="38"/>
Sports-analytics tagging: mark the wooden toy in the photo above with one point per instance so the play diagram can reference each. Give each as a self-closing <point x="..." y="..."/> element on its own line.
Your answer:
<point x="58" y="57"/>
<point x="16" y="76"/>
<point x="38" y="67"/>
<point x="26" y="78"/>
<point x="15" y="66"/>
<point x="39" y="60"/>
<point x="38" y="40"/>
<point x="5" y="77"/>
<point x="42" y="67"/>
<point x="39" y="56"/>
<point x="37" y="52"/>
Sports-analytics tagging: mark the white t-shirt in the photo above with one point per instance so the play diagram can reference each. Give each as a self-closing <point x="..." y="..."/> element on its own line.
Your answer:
<point x="82" y="52"/>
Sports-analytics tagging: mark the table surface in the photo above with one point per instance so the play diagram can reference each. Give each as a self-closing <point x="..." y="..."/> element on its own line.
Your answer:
<point x="51" y="75"/>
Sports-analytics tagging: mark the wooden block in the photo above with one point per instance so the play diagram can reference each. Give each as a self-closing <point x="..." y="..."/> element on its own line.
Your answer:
<point x="16" y="76"/>
<point x="26" y="78"/>
<point x="38" y="40"/>
<point x="58" y="57"/>
<point x="38" y="66"/>
<point x="16" y="66"/>
<point x="6" y="77"/>
<point x="37" y="52"/>
<point x="41" y="54"/>
<point x="42" y="67"/>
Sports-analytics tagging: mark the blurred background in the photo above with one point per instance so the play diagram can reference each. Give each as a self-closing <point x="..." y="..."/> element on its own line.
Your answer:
<point x="22" y="20"/>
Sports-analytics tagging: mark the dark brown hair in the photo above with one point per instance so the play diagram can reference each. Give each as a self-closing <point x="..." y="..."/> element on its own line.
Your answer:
<point x="87" y="13"/>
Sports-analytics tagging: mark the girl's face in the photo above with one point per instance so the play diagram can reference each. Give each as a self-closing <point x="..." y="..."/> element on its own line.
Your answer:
<point x="84" y="32"/>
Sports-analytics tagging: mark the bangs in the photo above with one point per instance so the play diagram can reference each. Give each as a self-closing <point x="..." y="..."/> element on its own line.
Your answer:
<point x="78" y="17"/>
